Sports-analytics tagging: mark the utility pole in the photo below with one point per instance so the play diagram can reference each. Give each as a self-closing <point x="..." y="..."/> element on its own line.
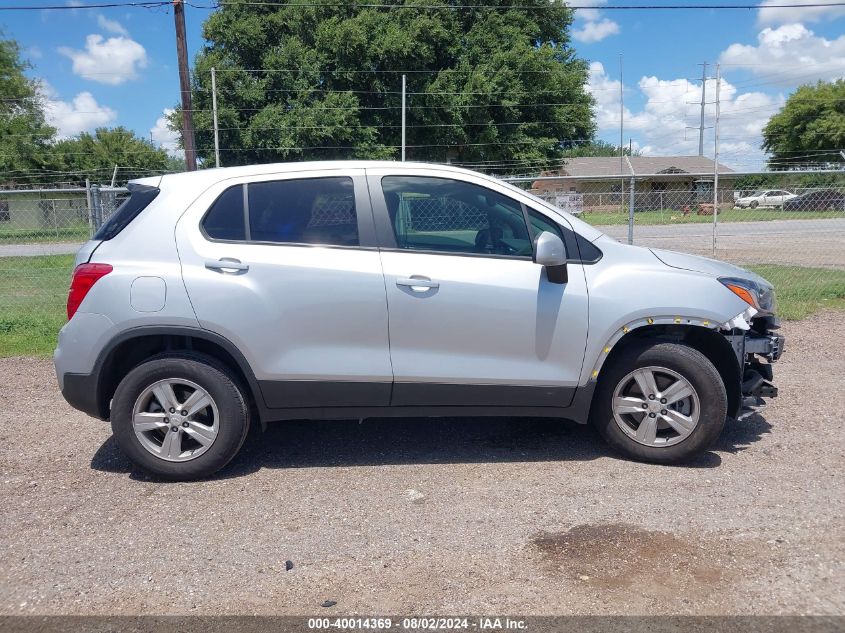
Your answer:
<point x="701" y="125"/>
<point x="631" y="202"/>
<point x="621" y="137"/>
<point x="716" y="158"/>
<point x="214" y="111"/>
<point x="403" y="118"/>
<point x="185" y="87"/>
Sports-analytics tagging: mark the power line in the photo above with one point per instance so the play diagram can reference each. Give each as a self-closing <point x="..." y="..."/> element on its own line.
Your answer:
<point x="109" y="5"/>
<point x="421" y="7"/>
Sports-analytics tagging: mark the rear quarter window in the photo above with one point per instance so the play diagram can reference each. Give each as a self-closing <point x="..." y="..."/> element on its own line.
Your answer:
<point x="140" y="197"/>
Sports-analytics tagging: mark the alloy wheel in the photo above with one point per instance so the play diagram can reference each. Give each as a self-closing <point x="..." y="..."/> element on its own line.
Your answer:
<point x="175" y="419"/>
<point x="656" y="406"/>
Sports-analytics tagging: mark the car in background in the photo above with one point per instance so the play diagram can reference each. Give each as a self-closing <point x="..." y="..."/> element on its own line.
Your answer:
<point x="764" y="198"/>
<point x="817" y="200"/>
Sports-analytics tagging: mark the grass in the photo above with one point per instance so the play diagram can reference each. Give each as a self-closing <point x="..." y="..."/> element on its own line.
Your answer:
<point x="33" y="291"/>
<point x="803" y="291"/>
<point x="671" y="216"/>
<point x="77" y="233"/>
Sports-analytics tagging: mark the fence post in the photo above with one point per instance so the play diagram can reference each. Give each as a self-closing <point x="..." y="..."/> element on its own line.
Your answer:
<point x="96" y="207"/>
<point x="90" y="210"/>
<point x="716" y="160"/>
<point x="631" y="212"/>
<point x="55" y="217"/>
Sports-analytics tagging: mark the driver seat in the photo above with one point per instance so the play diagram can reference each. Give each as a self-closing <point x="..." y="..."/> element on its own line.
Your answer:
<point x="486" y="240"/>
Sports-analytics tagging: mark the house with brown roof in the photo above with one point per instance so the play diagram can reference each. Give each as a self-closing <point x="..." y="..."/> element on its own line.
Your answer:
<point x="662" y="182"/>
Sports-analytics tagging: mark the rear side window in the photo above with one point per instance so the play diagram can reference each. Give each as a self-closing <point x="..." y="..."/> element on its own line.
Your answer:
<point x="301" y="211"/>
<point x="306" y="211"/>
<point x="140" y="197"/>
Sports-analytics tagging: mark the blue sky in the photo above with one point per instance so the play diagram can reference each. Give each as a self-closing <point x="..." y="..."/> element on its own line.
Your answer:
<point x="117" y="67"/>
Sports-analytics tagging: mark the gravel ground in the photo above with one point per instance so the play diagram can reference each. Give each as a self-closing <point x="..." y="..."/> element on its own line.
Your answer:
<point x="433" y="516"/>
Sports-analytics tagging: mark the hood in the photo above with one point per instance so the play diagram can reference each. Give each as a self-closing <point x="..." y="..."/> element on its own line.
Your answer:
<point x="706" y="266"/>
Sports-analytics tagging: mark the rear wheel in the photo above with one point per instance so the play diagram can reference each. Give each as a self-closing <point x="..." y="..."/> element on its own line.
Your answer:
<point x="179" y="417"/>
<point x="660" y="402"/>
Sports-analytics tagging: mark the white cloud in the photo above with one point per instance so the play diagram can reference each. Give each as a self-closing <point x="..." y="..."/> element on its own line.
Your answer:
<point x="110" y="61"/>
<point x="591" y="27"/>
<point x="111" y="26"/>
<point x="671" y="108"/>
<point x="81" y="114"/>
<point x="166" y="138"/>
<point x="596" y="31"/>
<point x="797" y="13"/>
<point x="790" y="54"/>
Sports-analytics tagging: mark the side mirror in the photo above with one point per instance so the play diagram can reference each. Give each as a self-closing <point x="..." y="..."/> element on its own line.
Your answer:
<point x="550" y="252"/>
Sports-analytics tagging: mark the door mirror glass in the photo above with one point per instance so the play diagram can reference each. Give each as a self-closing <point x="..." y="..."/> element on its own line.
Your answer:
<point x="549" y="250"/>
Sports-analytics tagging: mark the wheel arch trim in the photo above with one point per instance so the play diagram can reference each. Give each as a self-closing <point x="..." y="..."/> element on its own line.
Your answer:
<point x="645" y="322"/>
<point x="183" y="331"/>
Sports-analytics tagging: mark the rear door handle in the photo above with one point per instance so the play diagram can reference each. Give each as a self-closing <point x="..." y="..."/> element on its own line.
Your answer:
<point x="418" y="284"/>
<point x="227" y="265"/>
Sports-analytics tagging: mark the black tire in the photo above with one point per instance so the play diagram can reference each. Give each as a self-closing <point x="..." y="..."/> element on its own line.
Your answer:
<point x="689" y="363"/>
<point x="754" y="204"/>
<point x="217" y="381"/>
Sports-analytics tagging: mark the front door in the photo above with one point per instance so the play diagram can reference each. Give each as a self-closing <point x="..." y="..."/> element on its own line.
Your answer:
<point x="473" y="321"/>
<point x="286" y="268"/>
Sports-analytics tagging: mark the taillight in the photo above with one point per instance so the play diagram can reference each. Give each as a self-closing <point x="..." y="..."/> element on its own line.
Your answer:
<point x="84" y="277"/>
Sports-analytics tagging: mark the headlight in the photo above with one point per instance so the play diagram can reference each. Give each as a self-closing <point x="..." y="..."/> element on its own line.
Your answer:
<point x="761" y="296"/>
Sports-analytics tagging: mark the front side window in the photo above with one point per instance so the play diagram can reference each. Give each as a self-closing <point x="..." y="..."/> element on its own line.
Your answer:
<point x="540" y="223"/>
<point x="301" y="211"/>
<point x="451" y="216"/>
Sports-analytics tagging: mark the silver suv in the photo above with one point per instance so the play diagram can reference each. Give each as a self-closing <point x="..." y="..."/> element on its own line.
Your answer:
<point x="368" y="289"/>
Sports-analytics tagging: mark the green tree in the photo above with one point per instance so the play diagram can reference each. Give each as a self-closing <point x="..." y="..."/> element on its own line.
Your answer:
<point x="598" y="148"/>
<point x="98" y="153"/>
<point x="24" y="135"/>
<point x="809" y="128"/>
<point x="314" y="81"/>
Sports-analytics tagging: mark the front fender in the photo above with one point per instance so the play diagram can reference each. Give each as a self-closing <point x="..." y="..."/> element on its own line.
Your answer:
<point x="631" y="288"/>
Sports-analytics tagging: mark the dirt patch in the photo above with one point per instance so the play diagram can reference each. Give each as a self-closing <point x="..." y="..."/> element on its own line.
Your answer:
<point x="618" y="556"/>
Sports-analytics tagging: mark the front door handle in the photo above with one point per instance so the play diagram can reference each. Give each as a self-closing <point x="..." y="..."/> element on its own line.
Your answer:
<point x="227" y="265"/>
<point x="418" y="283"/>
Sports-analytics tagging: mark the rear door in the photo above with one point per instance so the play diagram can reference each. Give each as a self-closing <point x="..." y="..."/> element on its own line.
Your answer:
<point x="286" y="267"/>
<point x="473" y="321"/>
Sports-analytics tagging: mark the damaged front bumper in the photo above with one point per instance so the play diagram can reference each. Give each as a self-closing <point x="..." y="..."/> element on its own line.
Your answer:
<point x="757" y="348"/>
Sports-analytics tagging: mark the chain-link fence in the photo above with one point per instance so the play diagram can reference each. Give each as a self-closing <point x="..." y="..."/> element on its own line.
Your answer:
<point x="40" y="230"/>
<point x="787" y="226"/>
<point x="795" y="219"/>
<point x="42" y="216"/>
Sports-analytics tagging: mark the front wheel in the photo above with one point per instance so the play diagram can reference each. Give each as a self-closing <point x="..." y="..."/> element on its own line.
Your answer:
<point x="660" y="402"/>
<point x="180" y="417"/>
